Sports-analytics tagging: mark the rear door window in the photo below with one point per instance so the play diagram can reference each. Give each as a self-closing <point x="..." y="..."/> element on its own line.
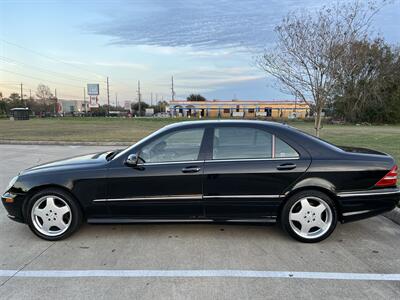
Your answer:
<point x="241" y="143"/>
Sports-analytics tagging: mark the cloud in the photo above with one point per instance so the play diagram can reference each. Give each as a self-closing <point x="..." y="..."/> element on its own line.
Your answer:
<point x="199" y="25"/>
<point x="208" y="78"/>
<point x="122" y="65"/>
<point x="116" y="64"/>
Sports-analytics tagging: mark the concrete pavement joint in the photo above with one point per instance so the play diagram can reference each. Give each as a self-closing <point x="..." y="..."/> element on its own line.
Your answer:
<point x="14" y="273"/>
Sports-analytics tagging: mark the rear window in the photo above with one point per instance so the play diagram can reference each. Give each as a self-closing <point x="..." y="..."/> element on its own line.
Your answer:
<point x="283" y="150"/>
<point x="319" y="140"/>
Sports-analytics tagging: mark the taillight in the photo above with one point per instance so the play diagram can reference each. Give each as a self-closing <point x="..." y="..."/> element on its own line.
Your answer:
<point x="389" y="179"/>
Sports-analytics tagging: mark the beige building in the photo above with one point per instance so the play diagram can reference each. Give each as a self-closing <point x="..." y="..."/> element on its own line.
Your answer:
<point x="72" y="106"/>
<point x="239" y="109"/>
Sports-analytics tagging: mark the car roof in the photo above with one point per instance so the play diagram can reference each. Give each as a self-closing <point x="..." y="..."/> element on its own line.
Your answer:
<point x="315" y="146"/>
<point x="250" y="122"/>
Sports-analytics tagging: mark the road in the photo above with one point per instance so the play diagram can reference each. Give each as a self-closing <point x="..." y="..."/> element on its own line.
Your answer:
<point x="102" y="251"/>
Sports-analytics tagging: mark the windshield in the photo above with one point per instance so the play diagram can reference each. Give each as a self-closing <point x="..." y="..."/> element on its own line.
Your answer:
<point x="127" y="150"/>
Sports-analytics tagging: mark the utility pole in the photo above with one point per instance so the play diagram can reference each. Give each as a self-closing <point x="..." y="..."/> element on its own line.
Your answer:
<point x="151" y="99"/>
<point x="55" y="101"/>
<point x="30" y="94"/>
<point x="84" y="99"/>
<point x="172" y="88"/>
<point x="139" y="99"/>
<point x="116" y="99"/>
<point x="22" y="94"/>
<point x="108" y="98"/>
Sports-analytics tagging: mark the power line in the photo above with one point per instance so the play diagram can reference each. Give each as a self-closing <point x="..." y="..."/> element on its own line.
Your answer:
<point x="49" y="57"/>
<point x="71" y="77"/>
<point x="40" y="79"/>
<point x="57" y="60"/>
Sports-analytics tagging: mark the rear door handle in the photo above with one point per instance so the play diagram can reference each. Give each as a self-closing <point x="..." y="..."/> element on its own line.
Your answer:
<point x="191" y="170"/>
<point x="287" y="166"/>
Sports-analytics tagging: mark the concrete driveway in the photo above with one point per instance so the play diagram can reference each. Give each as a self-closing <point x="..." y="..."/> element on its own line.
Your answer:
<point x="196" y="261"/>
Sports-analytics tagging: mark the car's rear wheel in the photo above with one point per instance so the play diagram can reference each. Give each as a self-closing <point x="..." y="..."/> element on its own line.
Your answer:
<point x="309" y="216"/>
<point x="53" y="214"/>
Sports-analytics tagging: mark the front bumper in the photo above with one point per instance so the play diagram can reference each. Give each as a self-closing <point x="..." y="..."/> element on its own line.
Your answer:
<point x="364" y="204"/>
<point x="13" y="203"/>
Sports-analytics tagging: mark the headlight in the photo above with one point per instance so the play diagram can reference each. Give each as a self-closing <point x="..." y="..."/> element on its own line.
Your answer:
<point x="12" y="182"/>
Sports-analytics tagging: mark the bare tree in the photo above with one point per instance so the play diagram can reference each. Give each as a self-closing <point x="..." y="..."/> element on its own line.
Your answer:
<point x="306" y="53"/>
<point x="43" y="93"/>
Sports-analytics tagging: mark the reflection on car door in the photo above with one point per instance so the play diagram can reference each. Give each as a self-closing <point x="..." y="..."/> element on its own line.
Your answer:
<point x="167" y="185"/>
<point x="248" y="171"/>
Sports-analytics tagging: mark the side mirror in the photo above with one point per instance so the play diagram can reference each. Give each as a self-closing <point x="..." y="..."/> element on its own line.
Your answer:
<point x="132" y="160"/>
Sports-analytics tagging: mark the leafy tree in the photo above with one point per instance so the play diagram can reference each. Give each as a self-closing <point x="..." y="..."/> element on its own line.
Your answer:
<point x="135" y="108"/>
<point x="368" y="83"/>
<point x="3" y="107"/>
<point x="196" y="97"/>
<point x="160" y="107"/>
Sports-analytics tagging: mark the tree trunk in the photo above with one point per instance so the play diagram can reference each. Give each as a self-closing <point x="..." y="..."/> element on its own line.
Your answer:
<point x="317" y="122"/>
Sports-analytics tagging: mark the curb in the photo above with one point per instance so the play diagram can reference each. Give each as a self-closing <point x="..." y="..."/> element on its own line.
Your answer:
<point x="63" y="143"/>
<point x="393" y="215"/>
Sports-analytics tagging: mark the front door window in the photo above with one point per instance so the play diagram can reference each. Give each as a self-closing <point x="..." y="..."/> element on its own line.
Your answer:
<point x="181" y="145"/>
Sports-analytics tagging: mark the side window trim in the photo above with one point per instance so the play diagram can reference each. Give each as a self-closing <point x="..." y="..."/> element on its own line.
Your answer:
<point x="273" y="146"/>
<point x="252" y="159"/>
<point x="171" y="162"/>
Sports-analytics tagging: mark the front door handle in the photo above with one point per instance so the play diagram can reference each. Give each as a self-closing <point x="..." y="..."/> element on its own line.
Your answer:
<point x="286" y="166"/>
<point x="191" y="170"/>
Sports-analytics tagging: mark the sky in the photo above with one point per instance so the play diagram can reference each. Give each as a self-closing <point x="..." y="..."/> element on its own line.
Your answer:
<point x="209" y="47"/>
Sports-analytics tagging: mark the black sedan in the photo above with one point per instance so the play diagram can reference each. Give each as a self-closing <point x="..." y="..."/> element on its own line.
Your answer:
<point x="239" y="171"/>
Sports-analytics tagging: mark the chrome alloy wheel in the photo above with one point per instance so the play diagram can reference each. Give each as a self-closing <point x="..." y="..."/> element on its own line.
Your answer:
<point x="51" y="215"/>
<point x="310" y="217"/>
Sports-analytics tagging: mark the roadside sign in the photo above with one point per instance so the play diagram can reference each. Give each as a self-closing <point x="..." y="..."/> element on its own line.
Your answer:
<point x="149" y="112"/>
<point x="93" y="101"/>
<point x="93" y="89"/>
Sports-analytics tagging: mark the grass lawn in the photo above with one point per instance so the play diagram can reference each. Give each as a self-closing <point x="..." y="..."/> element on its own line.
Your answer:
<point x="382" y="138"/>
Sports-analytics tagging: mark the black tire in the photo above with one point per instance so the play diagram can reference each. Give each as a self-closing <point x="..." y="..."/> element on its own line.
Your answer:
<point x="289" y="205"/>
<point x="75" y="216"/>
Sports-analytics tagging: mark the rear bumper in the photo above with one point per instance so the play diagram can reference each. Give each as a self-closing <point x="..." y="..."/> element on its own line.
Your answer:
<point x="364" y="204"/>
<point x="13" y="204"/>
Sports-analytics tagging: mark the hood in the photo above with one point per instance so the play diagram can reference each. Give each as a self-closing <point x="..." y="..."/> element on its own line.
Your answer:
<point x="83" y="161"/>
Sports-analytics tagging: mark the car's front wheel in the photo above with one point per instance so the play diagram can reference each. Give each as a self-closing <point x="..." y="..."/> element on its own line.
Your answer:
<point x="309" y="216"/>
<point x="53" y="214"/>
